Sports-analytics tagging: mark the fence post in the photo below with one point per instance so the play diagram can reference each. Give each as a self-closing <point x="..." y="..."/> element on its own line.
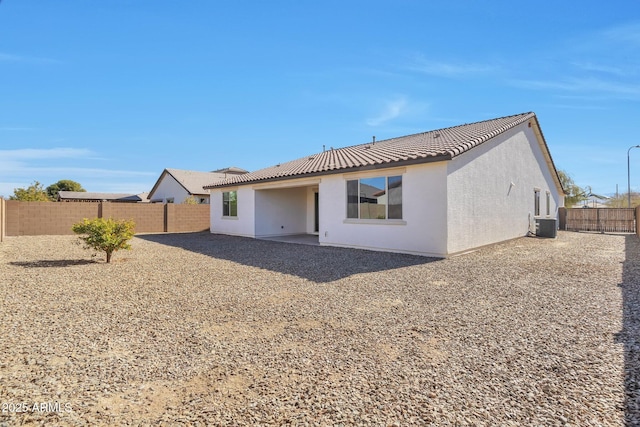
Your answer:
<point x="166" y="217"/>
<point x="637" y="213"/>
<point x="562" y="218"/>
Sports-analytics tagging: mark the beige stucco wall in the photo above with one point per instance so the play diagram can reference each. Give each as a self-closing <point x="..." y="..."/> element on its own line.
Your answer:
<point x="422" y="229"/>
<point x="281" y="211"/>
<point x="481" y="197"/>
<point x="169" y="187"/>
<point x="491" y="190"/>
<point x="241" y="225"/>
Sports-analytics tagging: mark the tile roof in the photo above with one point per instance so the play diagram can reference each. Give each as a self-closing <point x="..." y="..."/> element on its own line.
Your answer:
<point x="193" y="181"/>
<point x="231" y="170"/>
<point x="86" y="195"/>
<point x="441" y="144"/>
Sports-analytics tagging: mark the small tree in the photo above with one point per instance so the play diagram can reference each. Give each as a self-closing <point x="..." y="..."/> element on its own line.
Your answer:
<point x="622" y="200"/>
<point x="33" y="193"/>
<point x="574" y="193"/>
<point x="191" y="200"/>
<point x="106" y="235"/>
<point x="63" y="185"/>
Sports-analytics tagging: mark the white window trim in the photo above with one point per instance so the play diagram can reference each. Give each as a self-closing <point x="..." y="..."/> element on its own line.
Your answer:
<point x="229" y="216"/>
<point x="548" y="201"/>
<point x="537" y="191"/>
<point x="374" y="174"/>
<point x="375" y="221"/>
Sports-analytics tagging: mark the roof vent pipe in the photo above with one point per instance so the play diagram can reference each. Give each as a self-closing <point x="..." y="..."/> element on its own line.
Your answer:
<point x="374" y="140"/>
<point x="323" y="148"/>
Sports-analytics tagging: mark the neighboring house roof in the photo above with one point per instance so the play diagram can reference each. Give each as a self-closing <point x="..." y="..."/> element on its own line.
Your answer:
<point x="436" y="145"/>
<point x="193" y="181"/>
<point x="595" y="201"/>
<point x="113" y="197"/>
<point x="370" y="191"/>
<point x="232" y="170"/>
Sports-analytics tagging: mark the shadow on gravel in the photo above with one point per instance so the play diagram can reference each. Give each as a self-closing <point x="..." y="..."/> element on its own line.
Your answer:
<point x="630" y="334"/>
<point x="319" y="264"/>
<point x="52" y="263"/>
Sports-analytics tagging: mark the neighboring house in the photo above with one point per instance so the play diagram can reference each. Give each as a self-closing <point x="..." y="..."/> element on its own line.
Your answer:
<point x="436" y="193"/>
<point x="175" y="185"/>
<point x="595" y="201"/>
<point x="85" y="196"/>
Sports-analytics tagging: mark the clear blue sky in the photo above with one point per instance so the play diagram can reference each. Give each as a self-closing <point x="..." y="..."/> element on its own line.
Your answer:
<point x="109" y="93"/>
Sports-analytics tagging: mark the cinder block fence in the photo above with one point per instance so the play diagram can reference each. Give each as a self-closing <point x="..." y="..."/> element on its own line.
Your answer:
<point x="2" y="219"/>
<point x="42" y="218"/>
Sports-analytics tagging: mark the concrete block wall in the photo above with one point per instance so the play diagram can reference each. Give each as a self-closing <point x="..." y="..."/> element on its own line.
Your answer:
<point x="39" y="218"/>
<point x="149" y="217"/>
<point x="2" y="218"/>
<point x="55" y="218"/>
<point x="185" y="218"/>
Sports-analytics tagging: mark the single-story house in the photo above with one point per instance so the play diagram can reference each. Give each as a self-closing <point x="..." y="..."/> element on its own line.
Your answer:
<point x="435" y="193"/>
<point x="175" y="185"/>
<point x="86" y="196"/>
<point x="595" y="201"/>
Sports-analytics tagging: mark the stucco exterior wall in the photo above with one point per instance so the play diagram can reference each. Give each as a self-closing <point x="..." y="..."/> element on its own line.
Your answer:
<point x="421" y="231"/>
<point x="491" y="190"/>
<point x="281" y="211"/>
<point x="241" y="225"/>
<point x="483" y="196"/>
<point x="168" y="188"/>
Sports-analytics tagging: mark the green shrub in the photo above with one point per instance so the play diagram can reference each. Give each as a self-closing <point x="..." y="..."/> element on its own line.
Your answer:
<point x="108" y="235"/>
<point x="191" y="200"/>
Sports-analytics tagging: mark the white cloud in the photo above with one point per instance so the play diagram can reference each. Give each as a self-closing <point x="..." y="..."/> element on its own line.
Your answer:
<point x="89" y="172"/>
<point x="586" y="85"/>
<point x="36" y="163"/>
<point x="599" y="68"/>
<point x="6" y="188"/>
<point x="449" y="69"/>
<point x="629" y="33"/>
<point x="392" y="110"/>
<point x="8" y="57"/>
<point x="601" y="65"/>
<point x="44" y="153"/>
<point x="15" y="129"/>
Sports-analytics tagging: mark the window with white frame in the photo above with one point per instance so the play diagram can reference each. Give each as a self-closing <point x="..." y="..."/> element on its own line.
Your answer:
<point x="536" y="202"/>
<point x="548" y="203"/>
<point x="230" y="203"/>
<point x="378" y="197"/>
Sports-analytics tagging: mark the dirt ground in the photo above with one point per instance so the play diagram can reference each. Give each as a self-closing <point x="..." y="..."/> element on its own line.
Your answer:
<point x="201" y="329"/>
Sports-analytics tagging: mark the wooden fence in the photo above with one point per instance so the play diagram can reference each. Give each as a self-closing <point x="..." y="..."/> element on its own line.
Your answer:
<point x="603" y="220"/>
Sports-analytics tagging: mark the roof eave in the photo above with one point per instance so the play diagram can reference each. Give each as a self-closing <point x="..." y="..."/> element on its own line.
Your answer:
<point x="155" y="186"/>
<point x="408" y="162"/>
<point x="547" y="154"/>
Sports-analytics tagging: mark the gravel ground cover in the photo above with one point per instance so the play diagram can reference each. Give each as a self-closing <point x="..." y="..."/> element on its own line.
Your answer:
<point x="201" y="329"/>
